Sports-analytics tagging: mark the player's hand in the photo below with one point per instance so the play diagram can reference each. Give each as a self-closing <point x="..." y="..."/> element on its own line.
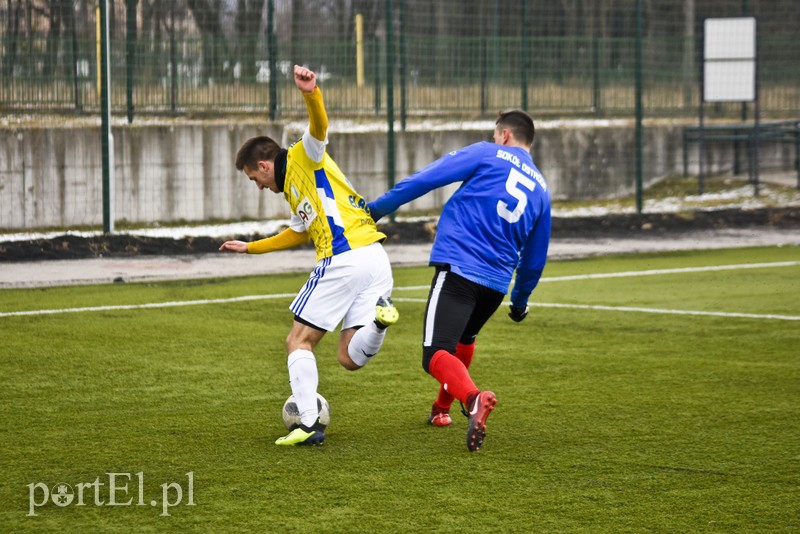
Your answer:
<point x="517" y="314"/>
<point x="234" y="246"/>
<point x="305" y="79"/>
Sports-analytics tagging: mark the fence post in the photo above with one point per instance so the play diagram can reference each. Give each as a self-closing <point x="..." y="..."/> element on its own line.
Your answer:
<point x="639" y="108"/>
<point x="596" y="60"/>
<point x="173" y="63"/>
<point x="484" y="96"/>
<point x="105" y="112"/>
<point x="376" y="69"/>
<point x="76" y="87"/>
<point x="359" y="51"/>
<point x="130" y="49"/>
<point x="403" y="65"/>
<point x="390" y="93"/>
<point x="689" y="70"/>
<point x="525" y="58"/>
<point x="272" y="54"/>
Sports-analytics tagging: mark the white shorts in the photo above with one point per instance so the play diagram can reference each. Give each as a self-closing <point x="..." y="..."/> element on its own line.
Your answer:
<point x="344" y="288"/>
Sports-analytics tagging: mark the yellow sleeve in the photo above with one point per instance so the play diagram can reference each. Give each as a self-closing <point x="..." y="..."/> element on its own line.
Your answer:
<point x="318" y="126"/>
<point x="286" y="239"/>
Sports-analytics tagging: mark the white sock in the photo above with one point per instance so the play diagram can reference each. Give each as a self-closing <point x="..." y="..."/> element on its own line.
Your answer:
<point x="365" y="343"/>
<point x="304" y="379"/>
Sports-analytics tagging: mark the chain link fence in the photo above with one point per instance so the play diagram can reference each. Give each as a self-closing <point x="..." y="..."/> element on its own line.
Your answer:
<point x="617" y="61"/>
<point x="466" y="57"/>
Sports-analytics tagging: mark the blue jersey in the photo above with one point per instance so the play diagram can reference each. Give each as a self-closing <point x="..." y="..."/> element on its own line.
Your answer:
<point x="497" y="221"/>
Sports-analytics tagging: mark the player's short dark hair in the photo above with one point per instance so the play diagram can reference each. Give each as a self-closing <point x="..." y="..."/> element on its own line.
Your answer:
<point x="255" y="149"/>
<point x="519" y="123"/>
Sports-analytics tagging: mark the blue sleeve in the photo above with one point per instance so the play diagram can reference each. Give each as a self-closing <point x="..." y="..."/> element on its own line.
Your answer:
<point x="532" y="261"/>
<point x="455" y="166"/>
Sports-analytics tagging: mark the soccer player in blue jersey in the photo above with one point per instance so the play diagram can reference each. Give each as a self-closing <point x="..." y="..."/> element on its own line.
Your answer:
<point x="352" y="272"/>
<point x="498" y="221"/>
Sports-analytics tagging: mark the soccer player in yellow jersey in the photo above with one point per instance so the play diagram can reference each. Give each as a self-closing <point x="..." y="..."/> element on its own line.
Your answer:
<point x="352" y="281"/>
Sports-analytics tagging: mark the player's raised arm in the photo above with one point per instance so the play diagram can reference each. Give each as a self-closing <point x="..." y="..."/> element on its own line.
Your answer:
<point x="305" y="79"/>
<point x="306" y="82"/>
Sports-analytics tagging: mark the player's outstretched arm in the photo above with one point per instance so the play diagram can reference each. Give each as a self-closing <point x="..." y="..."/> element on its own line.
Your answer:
<point x="453" y="167"/>
<point x="286" y="239"/>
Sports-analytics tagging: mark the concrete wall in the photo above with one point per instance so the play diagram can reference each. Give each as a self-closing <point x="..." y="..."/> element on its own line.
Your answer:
<point x="183" y="171"/>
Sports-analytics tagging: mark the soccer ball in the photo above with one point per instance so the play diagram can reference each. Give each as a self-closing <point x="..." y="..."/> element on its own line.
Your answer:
<point x="291" y="415"/>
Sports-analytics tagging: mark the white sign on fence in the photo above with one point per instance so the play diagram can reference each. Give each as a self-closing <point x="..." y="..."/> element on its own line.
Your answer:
<point x="729" y="66"/>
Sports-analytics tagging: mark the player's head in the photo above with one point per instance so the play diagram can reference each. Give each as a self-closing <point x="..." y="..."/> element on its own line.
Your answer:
<point x="256" y="158"/>
<point x="519" y="126"/>
<point x="255" y="149"/>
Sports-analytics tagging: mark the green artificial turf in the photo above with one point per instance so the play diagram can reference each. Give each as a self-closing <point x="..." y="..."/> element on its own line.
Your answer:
<point x="631" y="417"/>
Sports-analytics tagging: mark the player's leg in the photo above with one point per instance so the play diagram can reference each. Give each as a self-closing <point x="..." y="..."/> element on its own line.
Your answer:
<point x="440" y="412"/>
<point x="304" y="379"/>
<point x="481" y="405"/>
<point x="372" y="311"/>
<point x="359" y="344"/>
<point x="451" y="303"/>
<point x="315" y="312"/>
<point x="457" y="309"/>
<point x="488" y="302"/>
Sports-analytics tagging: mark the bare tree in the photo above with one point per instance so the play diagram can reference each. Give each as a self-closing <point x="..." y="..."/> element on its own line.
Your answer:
<point x="14" y="17"/>
<point x="56" y="12"/>
<point x="207" y="17"/>
<point x="249" y="15"/>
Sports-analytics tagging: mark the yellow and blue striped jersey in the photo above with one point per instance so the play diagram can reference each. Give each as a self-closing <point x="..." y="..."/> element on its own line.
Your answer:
<point x="323" y="201"/>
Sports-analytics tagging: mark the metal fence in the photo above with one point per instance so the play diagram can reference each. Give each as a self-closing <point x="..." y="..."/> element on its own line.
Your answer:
<point x="377" y="61"/>
<point x="466" y="57"/>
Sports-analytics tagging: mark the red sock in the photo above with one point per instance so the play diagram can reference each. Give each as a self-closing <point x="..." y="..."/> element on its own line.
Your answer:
<point x="452" y="374"/>
<point x="463" y="353"/>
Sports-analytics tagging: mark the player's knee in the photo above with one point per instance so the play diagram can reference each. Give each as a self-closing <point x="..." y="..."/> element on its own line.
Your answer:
<point x="288" y="343"/>
<point x="347" y="363"/>
<point x="291" y="343"/>
<point x="427" y="356"/>
<point x="468" y="339"/>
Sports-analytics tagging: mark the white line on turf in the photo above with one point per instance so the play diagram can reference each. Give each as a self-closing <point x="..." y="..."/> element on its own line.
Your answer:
<point x="640" y="310"/>
<point x="425" y="287"/>
<point x="667" y="311"/>
<point x="651" y="272"/>
<point x="149" y="305"/>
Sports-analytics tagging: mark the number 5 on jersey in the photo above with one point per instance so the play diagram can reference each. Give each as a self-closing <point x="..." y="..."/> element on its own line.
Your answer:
<point x="516" y="180"/>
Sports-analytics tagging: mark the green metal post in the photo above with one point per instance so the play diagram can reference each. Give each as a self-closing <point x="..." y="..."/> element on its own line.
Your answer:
<point x="525" y="53"/>
<point x="403" y="65"/>
<point x="495" y="39"/>
<point x="173" y="61"/>
<point x="76" y="91"/>
<point x="105" y="112"/>
<point x="639" y="104"/>
<point x="737" y="168"/>
<point x="130" y="54"/>
<point x="595" y="60"/>
<point x="390" y="92"/>
<point x="484" y="96"/>
<point x="376" y="69"/>
<point x="272" y="54"/>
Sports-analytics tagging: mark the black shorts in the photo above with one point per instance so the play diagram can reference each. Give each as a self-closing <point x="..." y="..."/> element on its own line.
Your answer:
<point x="456" y="311"/>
